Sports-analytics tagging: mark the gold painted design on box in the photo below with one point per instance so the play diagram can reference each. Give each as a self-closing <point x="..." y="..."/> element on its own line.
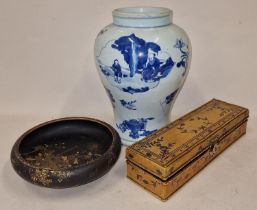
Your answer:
<point x="165" y="160"/>
<point x="163" y="189"/>
<point x="166" y="151"/>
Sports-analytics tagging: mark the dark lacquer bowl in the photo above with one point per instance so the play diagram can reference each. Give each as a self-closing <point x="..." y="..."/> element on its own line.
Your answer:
<point x="66" y="152"/>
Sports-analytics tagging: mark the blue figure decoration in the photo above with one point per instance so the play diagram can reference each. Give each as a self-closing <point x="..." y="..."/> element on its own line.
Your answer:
<point x="134" y="51"/>
<point x="156" y="70"/>
<point x="141" y="56"/>
<point x="185" y="54"/>
<point x="143" y="61"/>
<point x="129" y="104"/>
<point x="117" y="71"/>
<point x="152" y="66"/>
<point x="136" y="127"/>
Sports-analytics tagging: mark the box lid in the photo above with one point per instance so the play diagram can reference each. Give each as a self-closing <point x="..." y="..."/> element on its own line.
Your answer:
<point x="169" y="149"/>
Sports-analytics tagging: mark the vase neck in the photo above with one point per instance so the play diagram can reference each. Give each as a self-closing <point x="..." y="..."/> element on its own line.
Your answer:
<point x="142" y="17"/>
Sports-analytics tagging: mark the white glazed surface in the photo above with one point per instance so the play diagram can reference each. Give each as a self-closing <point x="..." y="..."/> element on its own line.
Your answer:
<point x="148" y="104"/>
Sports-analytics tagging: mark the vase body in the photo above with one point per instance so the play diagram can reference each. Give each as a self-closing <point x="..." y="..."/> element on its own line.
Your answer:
<point x="142" y="59"/>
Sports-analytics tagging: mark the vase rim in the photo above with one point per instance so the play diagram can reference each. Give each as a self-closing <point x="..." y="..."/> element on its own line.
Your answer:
<point x="141" y="12"/>
<point x="142" y="17"/>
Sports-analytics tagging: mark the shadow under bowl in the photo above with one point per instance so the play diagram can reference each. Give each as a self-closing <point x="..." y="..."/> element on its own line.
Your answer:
<point x="66" y="152"/>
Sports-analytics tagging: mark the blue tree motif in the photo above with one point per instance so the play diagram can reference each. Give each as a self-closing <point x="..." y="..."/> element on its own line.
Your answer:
<point x="136" y="127"/>
<point x="185" y="54"/>
<point x="129" y="104"/>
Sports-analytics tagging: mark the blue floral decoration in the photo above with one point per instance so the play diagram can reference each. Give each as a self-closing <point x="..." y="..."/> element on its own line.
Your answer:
<point x="185" y="55"/>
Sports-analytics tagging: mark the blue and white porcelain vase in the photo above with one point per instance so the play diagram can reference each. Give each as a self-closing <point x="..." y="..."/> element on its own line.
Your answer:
<point x="143" y="60"/>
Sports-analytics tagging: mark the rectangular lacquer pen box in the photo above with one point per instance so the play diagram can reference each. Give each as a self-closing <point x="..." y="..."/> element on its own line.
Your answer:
<point x="164" y="161"/>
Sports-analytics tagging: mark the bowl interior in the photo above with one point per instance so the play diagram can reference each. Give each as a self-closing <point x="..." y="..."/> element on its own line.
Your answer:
<point x="66" y="144"/>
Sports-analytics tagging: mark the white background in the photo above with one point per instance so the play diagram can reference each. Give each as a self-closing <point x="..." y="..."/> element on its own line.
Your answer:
<point x="47" y="71"/>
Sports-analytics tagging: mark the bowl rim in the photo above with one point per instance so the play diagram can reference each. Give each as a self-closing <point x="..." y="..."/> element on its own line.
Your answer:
<point x="16" y="147"/>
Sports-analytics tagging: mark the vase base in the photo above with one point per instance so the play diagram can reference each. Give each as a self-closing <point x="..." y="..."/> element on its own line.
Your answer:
<point x="127" y="142"/>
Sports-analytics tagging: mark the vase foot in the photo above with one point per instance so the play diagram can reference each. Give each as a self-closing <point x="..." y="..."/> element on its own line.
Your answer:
<point x="127" y="142"/>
